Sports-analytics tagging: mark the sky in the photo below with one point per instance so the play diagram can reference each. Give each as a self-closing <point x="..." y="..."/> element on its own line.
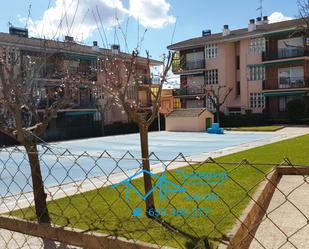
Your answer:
<point x="146" y="24"/>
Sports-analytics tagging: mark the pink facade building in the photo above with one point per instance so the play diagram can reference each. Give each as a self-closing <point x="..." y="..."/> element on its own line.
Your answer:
<point x="264" y="64"/>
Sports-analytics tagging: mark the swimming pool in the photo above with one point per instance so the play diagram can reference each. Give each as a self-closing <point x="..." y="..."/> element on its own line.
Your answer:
<point x="164" y="144"/>
<point x="70" y="166"/>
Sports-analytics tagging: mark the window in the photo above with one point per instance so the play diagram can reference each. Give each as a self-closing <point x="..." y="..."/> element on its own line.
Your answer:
<point x="291" y="77"/>
<point x="257" y="100"/>
<point x="195" y="83"/>
<point x="283" y="101"/>
<point x="195" y="60"/>
<point x="257" y="72"/>
<point x="132" y="93"/>
<point x="237" y="88"/>
<point x="154" y="93"/>
<point x="209" y="104"/>
<point x="237" y="62"/>
<point x="10" y="55"/>
<point x="290" y="47"/>
<point x="211" y="77"/>
<point x="282" y="104"/>
<point x="177" y="103"/>
<point x="234" y="111"/>
<point x="4" y="54"/>
<point x="211" y="51"/>
<point x="198" y="103"/>
<point x="257" y="45"/>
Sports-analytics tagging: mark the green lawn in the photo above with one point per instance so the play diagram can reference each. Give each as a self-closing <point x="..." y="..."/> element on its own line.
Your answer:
<point x="257" y="128"/>
<point x="106" y="210"/>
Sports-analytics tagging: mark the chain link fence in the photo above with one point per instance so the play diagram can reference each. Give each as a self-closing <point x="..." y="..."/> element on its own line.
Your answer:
<point x="98" y="201"/>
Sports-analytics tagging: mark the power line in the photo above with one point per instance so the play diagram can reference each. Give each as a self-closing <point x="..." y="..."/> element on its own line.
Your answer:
<point x="102" y="26"/>
<point x="174" y="30"/>
<point x="105" y="46"/>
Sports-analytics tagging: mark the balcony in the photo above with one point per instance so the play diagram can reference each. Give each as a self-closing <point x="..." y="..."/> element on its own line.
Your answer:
<point x="285" y="53"/>
<point x="188" y="92"/>
<point x="286" y="83"/>
<point x="178" y="66"/>
<point x="147" y="80"/>
<point x="191" y="65"/>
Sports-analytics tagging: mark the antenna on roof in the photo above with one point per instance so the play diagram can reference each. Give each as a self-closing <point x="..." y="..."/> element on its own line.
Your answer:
<point x="260" y="8"/>
<point x="29" y="14"/>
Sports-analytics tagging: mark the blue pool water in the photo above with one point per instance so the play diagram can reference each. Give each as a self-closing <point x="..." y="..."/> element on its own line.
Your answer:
<point x="166" y="145"/>
<point x="15" y="172"/>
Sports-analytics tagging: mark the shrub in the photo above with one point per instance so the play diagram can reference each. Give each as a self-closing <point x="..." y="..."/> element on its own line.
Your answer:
<point x="296" y="109"/>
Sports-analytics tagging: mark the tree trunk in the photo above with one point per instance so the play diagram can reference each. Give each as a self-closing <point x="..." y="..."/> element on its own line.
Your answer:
<point x="143" y="129"/>
<point x="102" y="123"/>
<point x="218" y="114"/>
<point x="38" y="185"/>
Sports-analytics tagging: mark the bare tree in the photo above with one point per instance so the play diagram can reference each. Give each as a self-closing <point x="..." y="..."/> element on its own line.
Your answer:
<point x="20" y="97"/>
<point x="218" y="95"/>
<point x="303" y="9"/>
<point x="122" y="82"/>
<point x="104" y="104"/>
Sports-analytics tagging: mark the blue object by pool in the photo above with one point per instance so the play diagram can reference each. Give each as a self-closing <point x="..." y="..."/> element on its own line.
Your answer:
<point x="215" y="129"/>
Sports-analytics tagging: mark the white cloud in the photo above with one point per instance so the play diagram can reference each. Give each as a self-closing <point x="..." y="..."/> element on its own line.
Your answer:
<point x="75" y="17"/>
<point x="152" y="13"/>
<point x="278" y="17"/>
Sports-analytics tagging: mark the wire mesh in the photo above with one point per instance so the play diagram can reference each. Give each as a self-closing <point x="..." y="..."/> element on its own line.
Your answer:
<point x="197" y="204"/>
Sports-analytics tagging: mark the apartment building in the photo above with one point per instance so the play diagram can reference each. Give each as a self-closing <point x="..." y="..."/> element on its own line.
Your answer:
<point x="82" y="65"/>
<point x="265" y="65"/>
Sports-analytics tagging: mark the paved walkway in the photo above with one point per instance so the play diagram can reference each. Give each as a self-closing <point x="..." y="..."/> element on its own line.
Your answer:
<point x="283" y="134"/>
<point x="16" y="240"/>
<point x="13" y="240"/>
<point x="287" y="217"/>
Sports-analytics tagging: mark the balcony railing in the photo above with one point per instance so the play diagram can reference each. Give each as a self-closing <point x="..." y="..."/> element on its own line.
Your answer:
<point x="89" y="103"/>
<point x="286" y="83"/>
<point x="285" y="53"/>
<point x="188" y="92"/>
<point x="198" y="64"/>
<point x="179" y="66"/>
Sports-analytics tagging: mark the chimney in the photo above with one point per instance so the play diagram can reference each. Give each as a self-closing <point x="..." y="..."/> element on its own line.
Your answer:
<point x="265" y="20"/>
<point x="68" y="38"/>
<point x="251" y="26"/>
<point x="18" y="31"/>
<point x="206" y="32"/>
<point x="115" y="49"/>
<point x="259" y="21"/>
<point x="95" y="46"/>
<point x="226" y="30"/>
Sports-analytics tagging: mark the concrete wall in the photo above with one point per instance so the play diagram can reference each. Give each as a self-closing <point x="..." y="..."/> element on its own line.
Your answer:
<point x="194" y="124"/>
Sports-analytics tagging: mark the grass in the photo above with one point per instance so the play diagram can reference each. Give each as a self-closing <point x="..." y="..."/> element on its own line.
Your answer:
<point x="106" y="210"/>
<point x="257" y="128"/>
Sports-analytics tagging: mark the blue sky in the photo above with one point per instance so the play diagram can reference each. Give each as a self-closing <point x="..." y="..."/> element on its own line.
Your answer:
<point x="157" y="16"/>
